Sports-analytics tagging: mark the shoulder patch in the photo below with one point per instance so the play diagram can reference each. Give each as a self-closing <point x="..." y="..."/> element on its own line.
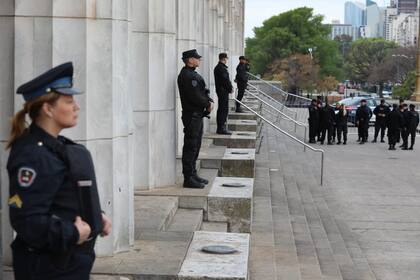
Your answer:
<point x="15" y="201"/>
<point x="26" y="176"/>
<point x="194" y="83"/>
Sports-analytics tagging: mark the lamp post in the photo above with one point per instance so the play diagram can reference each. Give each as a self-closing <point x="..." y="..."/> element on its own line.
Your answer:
<point x="416" y="95"/>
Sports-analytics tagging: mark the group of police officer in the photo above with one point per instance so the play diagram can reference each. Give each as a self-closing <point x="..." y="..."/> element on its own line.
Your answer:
<point x="401" y="122"/>
<point x="197" y="104"/>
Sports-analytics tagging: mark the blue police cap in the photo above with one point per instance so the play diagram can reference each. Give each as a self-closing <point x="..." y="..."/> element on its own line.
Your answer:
<point x="58" y="79"/>
<point x="191" y="53"/>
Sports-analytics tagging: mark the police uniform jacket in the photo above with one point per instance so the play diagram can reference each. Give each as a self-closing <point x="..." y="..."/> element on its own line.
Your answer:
<point x="241" y="74"/>
<point x="192" y="90"/>
<point x="222" y="80"/>
<point x="313" y="113"/>
<point x="381" y="112"/>
<point x="413" y="120"/>
<point x="341" y="118"/>
<point x="395" y="120"/>
<point x="363" y="114"/>
<point x="43" y="201"/>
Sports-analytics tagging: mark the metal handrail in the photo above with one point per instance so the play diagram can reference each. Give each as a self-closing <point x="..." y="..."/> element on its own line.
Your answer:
<point x="290" y="136"/>
<point x="279" y="89"/>
<point x="274" y="100"/>
<point x="286" y="117"/>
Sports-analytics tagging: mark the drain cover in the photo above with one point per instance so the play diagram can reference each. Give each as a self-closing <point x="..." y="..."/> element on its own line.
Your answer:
<point x="239" y="153"/>
<point x="393" y="158"/>
<point x="219" y="249"/>
<point x="243" y="134"/>
<point x="233" y="185"/>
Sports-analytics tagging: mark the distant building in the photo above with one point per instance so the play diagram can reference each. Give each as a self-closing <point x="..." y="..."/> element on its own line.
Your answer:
<point x="390" y="15"/>
<point x="375" y="24"/>
<point x="403" y="29"/>
<point x="335" y="21"/>
<point x="407" y="6"/>
<point x="345" y="29"/>
<point x="355" y="13"/>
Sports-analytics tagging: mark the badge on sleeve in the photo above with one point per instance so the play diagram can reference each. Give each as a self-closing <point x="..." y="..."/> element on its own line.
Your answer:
<point x="15" y="201"/>
<point x="194" y="83"/>
<point x="26" y="176"/>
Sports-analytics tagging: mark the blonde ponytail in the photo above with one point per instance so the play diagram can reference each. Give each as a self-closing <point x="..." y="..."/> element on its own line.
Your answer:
<point x="19" y="127"/>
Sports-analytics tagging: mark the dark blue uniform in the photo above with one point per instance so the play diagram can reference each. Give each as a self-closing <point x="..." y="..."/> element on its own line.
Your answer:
<point x="43" y="205"/>
<point x="242" y="82"/>
<point x="223" y="88"/>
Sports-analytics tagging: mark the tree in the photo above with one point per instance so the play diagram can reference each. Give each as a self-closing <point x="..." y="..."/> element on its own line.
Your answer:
<point x="407" y="88"/>
<point x="293" y="32"/>
<point x="327" y="84"/>
<point x="344" y="41"/>
<point x="365" y="55"/>
<point x="297" y="72"/>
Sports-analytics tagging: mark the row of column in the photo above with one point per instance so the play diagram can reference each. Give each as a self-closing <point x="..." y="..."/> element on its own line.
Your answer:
<point x="127" y="54"/>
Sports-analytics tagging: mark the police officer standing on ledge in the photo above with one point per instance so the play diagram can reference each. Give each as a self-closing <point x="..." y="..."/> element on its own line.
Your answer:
<point x="313" y="121"/>
<point x="241" y="80"/>
<point x="381" y="112"/>
<point x="413" y="122"/>
<point x="54" y="203"/>
<point x="196" y="104"/>
<point x="223" y="89"/>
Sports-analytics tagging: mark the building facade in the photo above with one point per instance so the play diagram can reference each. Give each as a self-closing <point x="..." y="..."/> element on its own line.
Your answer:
<point x="354" y="13"/>
<point x="345" y="29"/>
<point x="403" y="29"/>
<point x="375" y="24"/>
<point x="407" y="6"/>
<point x="126" y="55"/>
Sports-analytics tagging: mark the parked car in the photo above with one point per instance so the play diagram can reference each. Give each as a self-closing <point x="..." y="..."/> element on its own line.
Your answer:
<point x="353" y="103"/>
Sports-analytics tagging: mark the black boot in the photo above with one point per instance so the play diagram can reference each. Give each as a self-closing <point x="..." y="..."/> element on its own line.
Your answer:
<point x="239" y="109"/>
<point x="201" y="180"/>
<point x="223" y="131"/>
<point x="411" y="147"/>
<point x="192" y="183"/>
<point x="345" y="142"/>
<point x="374" y="140"/>
<point x="382" y="140"/>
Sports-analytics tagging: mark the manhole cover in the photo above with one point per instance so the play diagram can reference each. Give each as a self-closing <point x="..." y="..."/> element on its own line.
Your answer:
<point x="393" y="158"/>
<point x="239" y="153"/>
<point x="219" y="249"/>
<point x="233" y="185"/>
<point x="242" y="134"/>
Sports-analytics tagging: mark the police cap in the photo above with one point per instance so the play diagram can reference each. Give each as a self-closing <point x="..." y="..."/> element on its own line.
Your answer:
<point x="58" y="79"/>
<point x="191" y="53"/>
<point x="242" y="57"/>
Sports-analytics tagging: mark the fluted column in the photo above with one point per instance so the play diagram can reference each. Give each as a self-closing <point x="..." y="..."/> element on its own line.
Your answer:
<point x="154" y="66"/>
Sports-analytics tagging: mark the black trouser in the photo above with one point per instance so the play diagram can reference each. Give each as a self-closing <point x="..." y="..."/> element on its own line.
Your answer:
<point x="342" y="129"/>
<point x="241" y="91"/>
<point x="32" y="265"/>
<point x="313" y="129"/>
<point x="393" y="134"/>
<point x="412" y="132"/>
<point x="193" y="133"/>
<point x="404" y="136"/>
<point x="364" y="130"/>
<point x="222" y="109"/>
<point x="380" y="126"/>
<point x="324" y="130"/>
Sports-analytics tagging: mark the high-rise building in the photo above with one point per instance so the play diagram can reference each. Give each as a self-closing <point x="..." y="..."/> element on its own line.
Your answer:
<point x="355" y="14"/>
<point x="375" y="23"/>
<point x="390" y="15"/>
<point x="407" y="6"/>
<point x="403" y="29"/>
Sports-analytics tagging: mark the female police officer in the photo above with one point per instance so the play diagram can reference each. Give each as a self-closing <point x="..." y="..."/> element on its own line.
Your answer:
<point x="54" y="204"/>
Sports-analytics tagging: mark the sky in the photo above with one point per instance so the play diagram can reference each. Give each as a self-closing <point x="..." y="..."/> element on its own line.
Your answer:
<point x="256" y="11"/>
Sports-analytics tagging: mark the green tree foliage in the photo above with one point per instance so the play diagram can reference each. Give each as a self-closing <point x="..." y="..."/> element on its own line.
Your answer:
<point x="290" y="33"/>
<point x="407" y="88"/>
<point x="365" y="55"/>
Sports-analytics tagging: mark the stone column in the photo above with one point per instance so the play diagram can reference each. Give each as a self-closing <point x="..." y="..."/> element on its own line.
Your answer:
<point x="154" y="65"/>
<point x="7" y="22"/>
<point x="94" y="35"/>
<point x="188" y="13"/>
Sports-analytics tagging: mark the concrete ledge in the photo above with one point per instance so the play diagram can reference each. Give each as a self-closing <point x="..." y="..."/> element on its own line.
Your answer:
<point x="199" y="265"/>
<point x="231" y="205"/>
<point x="242" y="125"/>
<point x="238" y="139"/>
<point x="235" y="164"/>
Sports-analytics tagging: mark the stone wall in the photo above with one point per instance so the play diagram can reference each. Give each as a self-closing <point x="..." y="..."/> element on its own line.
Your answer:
<point x="126" y="55"/>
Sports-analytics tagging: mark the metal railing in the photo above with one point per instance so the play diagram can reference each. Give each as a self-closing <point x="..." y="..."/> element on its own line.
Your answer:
<point x="289" y="136"/>
<point x="284" y="116"/>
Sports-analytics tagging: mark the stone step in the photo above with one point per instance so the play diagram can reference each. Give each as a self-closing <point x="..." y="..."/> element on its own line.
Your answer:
<point x="232" y="205"/>
<point x="214" y="226"/>
<point x="306" y="252"/>
<point x="187" y="198"/>
<point x="242" y="116"/>
<point x="153" y="213"/>
<point x="186" y="220"/>
<point x="238" y="139"/>
<point x="157" y="255"/>
<point x="199" y="265"/>
<point x="242" y="125"/>
<point x="230" y="162"/>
